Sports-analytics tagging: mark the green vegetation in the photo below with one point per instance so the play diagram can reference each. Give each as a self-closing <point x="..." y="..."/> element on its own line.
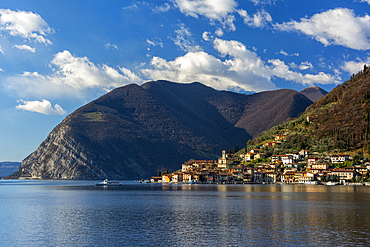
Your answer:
<point x="338" y="122"/>
<point x="94" y="116"/>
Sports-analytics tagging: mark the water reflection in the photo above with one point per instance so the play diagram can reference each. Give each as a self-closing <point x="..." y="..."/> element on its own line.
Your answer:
<point x="76" y="213"/>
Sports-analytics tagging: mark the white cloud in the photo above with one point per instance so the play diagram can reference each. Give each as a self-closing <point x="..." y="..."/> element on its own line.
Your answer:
<point x="283" y="53"/>
<point x="260" y="19"/>
<point x="293" y="65"/>
<point x="219" y="32"/>
<point x="155" y="42"/>
<point x="43" y="107"/>
<point x="305" y="65"/>
<point x="111" y="46"/>
<point x="72" y="76"/>
<point x="263" y="1"/>
<point x="215" y="10"/>
<point x="353" y="67"/>
<point x="244" y="72"/>
<point x="24" y="24"/>
<point x="194" y="66"/>
<point x="81" y="73"/>
<point x="365" y="1"/>
<point x="281" y="70"/>
<point x="228" y="23"/>
<point x="1" y="50"/>
<point x="162" y="9"/>
<point x="184" y="40"/>
<point x="133" y="6"/>
<point x="287" y="54"/>
<point x="206" y="36"/>
<point x="240" y="69"/>
<point x="25" y="47"/>
<point x="334" y="27"/>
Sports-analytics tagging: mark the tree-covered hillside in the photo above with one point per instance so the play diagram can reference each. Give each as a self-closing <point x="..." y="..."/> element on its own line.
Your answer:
<point x="337" y="122"/>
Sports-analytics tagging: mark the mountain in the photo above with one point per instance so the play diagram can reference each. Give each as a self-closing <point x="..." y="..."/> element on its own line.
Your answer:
<point x="338" y="122"/>
<point x="314" y="93"/>
<point x="135" y="131"/>
<point x="7" y="168"/>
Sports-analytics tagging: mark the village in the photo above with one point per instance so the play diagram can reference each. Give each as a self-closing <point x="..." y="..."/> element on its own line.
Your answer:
<point x="254" y="167"/>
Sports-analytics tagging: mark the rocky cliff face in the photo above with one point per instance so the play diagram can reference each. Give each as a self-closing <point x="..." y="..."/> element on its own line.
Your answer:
<point x="132" y="132"/>
<point x="60" y="156"/>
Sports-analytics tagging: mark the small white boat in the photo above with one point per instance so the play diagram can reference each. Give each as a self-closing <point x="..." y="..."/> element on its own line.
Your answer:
<point x="311" y="182"/>
<point x="332" y="183"/>
<point x="106" y="182"/>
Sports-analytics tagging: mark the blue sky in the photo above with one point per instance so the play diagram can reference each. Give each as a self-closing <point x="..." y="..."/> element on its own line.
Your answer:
<point x="56" y="56"/>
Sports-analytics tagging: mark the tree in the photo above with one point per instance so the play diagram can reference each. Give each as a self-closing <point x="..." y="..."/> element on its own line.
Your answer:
<point x="367" y="175"/>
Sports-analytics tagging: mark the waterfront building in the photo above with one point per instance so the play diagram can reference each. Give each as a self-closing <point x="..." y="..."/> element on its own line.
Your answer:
<point x="345" y="175"/>
<point x="224" y="162"/>
<point x="271" y="177"/>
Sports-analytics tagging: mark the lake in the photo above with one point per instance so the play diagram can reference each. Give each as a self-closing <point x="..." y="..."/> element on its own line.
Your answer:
<point x="77" y="213"/>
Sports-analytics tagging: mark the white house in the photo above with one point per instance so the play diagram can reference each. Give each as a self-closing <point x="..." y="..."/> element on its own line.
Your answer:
<point x="338" y="158"/>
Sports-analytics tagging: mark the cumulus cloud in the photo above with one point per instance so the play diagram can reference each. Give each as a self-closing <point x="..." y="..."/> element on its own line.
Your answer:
<point x="259" y="19"/>
<point x="24" y="24"/>
<point x="245" y="71"/>
<point x="80" y="73"/>
<point x="207" y="36"/>
<point x="281" y="70"/>
<point x="353" y="67"/>
<point x="184" y="40"/>
<point x="305" y="65"/>
<point x="212" y="9"/>
<point x="43" y="107"/>
<point x="219" y="32"/>
<point x="365" y="1"/>
<point x="239" y="69"/>
<point x="215" y="10"/>
<point x="25" y="47"/>
<point x="194" y="66"/>
<point x="338" y="26"/>
<point x="71" y="76"/>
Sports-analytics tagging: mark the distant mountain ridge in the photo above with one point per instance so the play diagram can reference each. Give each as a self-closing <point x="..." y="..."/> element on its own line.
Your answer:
<point x="314" y="93"/>
<point x="134" y="131"/>
<point x="7" y="168"/>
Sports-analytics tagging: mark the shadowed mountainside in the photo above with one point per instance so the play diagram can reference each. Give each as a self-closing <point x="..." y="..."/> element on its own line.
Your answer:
<point x="314" y="93"/>
<point x="134" y="131"/>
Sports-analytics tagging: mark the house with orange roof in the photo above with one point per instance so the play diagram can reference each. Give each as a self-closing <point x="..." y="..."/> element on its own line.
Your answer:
<point x="279" y="137"/>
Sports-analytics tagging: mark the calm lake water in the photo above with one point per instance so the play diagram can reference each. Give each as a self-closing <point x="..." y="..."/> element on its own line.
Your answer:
<point x="76" y="213"/>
